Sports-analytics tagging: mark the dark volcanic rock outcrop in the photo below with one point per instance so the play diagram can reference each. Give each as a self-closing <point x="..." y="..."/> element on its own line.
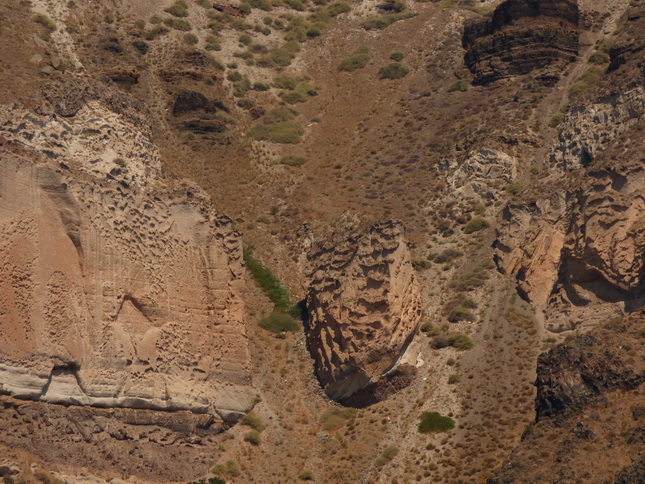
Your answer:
<point x="590" y="411"/>
<point x="363" y="305"/>
<point x="521" y="36"/>
<point x="579" y="372"/>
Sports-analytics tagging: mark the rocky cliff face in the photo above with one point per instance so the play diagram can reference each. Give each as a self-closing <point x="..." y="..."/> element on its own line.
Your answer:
<point x="363" y="305"/>
<point x="580" y="249"/>
<point x="522" y="36"/>
<point x="589" y="409"/>
<point x="117" y="290"/>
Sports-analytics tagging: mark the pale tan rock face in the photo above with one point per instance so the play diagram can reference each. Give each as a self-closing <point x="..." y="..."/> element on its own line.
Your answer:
<point x="363" y="304"/>
<point x="581" y="251"/>
<point x="115" y="290"/>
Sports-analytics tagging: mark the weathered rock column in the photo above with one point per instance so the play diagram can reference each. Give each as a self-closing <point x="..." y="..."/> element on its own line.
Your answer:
<point x="363" y="304"/>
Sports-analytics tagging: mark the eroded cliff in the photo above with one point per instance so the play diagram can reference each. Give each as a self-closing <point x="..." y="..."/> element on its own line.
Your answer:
<point x="117" y="289"/>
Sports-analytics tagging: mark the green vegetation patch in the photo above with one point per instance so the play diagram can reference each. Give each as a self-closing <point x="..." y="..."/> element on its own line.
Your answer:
<point x="178" y="24"/>
<point x="278" y="126"/>
<point x="228" y="468"/>
<point x="335" y="417"/>
<point x="386" y="455"/>
<point x="279" y="322"/>
<point x="253" y="437"/>
<point x="178" y="9"/>
<point x="45" y="21"/>
<point x="475" y="224"/>
<point x="300" y="92"/>
<point x="461" y="86"/>
<point x="555" y="120"/>
<point x="397" y="56"/>
<point x="393" y="70"/>
<point x="435" y="422"/>
<point x="267" y="281"/>
<point x="252" y="420"/>
<point x="357" y="60"/>
<point x="515" y="188"/>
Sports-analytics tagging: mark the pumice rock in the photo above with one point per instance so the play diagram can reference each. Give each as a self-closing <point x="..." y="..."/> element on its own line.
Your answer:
<point x="363" y="305"/>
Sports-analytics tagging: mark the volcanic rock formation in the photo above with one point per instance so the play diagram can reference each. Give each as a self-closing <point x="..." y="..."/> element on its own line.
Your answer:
<point x="590" y="411"/>
<point x="363" y="305"/>
<point x="521" y="36"/>
<point x="116" y="290"/>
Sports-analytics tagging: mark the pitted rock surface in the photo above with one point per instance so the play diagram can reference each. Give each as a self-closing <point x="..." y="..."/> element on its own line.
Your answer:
<point x="363" y="304"/>
<point x="116" y="290"/>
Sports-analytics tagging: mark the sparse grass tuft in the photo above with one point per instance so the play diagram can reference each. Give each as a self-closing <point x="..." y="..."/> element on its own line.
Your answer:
<point x="357" y="60"/>
<point x="515" y="188"/>
<point x="178" y="24"/>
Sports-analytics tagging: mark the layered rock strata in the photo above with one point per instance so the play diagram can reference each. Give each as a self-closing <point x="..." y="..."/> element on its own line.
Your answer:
<point x="116" y="289"/>
<point x="363" y="304"/>
<point x="522" y="36"/>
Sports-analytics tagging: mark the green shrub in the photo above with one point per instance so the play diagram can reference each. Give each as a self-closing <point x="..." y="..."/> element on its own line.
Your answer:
<point x="252" y="420"/>
<point x="336" y="8"/>
<point x="178" y="9"/>
<point x="228" y="468"/>
<point x="515" y="188"/>
<point x="589" y="78"/>
<point x="393" y="70"/>
<point x="286" y="81"/>
<point x="435" y="422"/>
<point x="306" y="475"/>
<point x="190" y="39"/>
<point x="293" y="160"/>
<point x="335" y="417"/>
<point x="461" y="341"/>
<point x="296" y="4"/>
<point x="155" y="32"/>
<point x="605" y="45"/>
<point x="261" y="86"/>
<point x="178" y="24"/>
<point x="300" y="93"/>
<point x="460" y="313"/>
<point x="354" y="62"/>
<point x="156" y="19"/>
<point x="278" y="322"/>
<point x="386" y="455"/>
<point x="454" y="378"/>
<point x="397" y="56"/>
<point x="447" y="256"/>
<point x="253" y="437"/>
<point x="429" y="329"/>
<point x="420" y="264"/>
<point x="245" y="39"/>
<point x="599" y="57"/>
<point x="204" y="3"/>
<point x="45" y="21"/>
<point x="461" y="86"/>
<point x="475" y="224"/>
<point x="555" y="120"/>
